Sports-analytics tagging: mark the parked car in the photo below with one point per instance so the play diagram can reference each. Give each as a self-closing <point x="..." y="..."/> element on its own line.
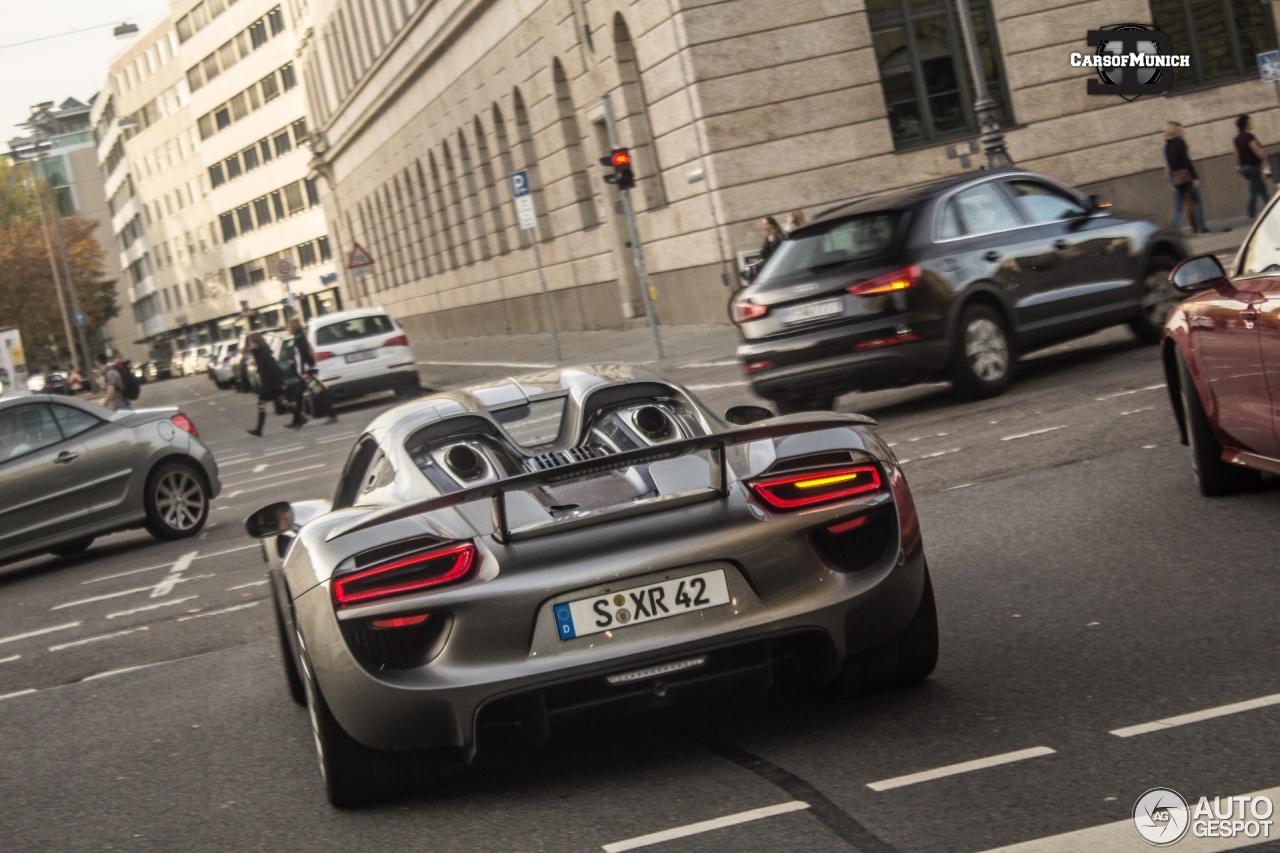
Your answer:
<point x="223" y="362"/>
<point x="362" y="351"/>
<point x="71" y="471"/>
<point x="1222" y="361"/>
<point x="48" y="383"/>
<point x="157" y="370"/>
<point x="633" y="553"/>
<point x="953" y="280"/>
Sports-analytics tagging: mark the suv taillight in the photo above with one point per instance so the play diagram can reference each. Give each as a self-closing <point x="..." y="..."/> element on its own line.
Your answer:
<point x="890" y="282"/>
<point x="323" y="355"/>
<point x="398" y="341"/>
<point x="821" y="485"/>
<point x="745" y="311"/>
<point x="408" y="574"/>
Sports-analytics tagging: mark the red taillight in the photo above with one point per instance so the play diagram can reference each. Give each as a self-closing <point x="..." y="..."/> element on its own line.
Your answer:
<point x="877" y="343"/>
<point x="890" y="282"/>
<point x="401" y="621"/>
<point x="851" y="524"/>
<point x="744" y="311"/>
<point x="398" y="341"/>
<point x="410" y="574"/>
<point x="793" y="491"/>
<point x="323" y="355"/>
<point x="757" y="366"/>
<point x="184" y="423"/>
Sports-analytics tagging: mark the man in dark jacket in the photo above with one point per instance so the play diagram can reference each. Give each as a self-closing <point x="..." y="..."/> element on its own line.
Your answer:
<point x="304" y="364"/>
<point x="269" y="377"/>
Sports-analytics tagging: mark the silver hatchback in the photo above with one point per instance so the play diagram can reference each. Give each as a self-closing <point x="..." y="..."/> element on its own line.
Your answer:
<point x="71" y="471"/>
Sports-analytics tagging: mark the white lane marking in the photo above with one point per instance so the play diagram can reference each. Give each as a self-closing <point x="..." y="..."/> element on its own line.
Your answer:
<point x="247" y="460"/>
<point x="238" y="492"/>
<point x="924" y="437"/>
<point x="258" y="469"/>
<point x="694" y="365"/>
<point x="714" y="385"/>
<point x="10" y="659"/>
<point x="247" y="585"/>
<point x="281" y="474"/>
<point x="29" y="634"/>
<point x="930" y="455"/>
<point x="122" y="670"/>
<point x="16" y="693"/>
<point x="1138" y="411"/>
<point x="220" y="612"/>
<point x="1033" y="432"/>
<point x="957" y="769"/>
<point x="1121" y="836"/>
<point x="961" y="486"/>
<point x="1198" y="716"/>
<point x="95" y="598"/>
<point x="167" y="565"/>
<point x="169" y="603"/>
<point x="99" y="638"/>
<point x="293" y="448"/>
<point x="169" y="581"/>
<point x="339" y="437"/>
<point x="1128" y="393"/>
<point x="703" y="826"/>
<point x="486" y="364"/>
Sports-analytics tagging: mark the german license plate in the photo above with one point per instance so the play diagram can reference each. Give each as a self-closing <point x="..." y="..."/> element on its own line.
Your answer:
<point x="812" y="310"/>
<point x="362" y="356"/>
<point x="639" y="604"/>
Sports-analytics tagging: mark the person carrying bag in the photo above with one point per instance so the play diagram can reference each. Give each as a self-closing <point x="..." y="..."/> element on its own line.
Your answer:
<point x="1183" y="177"/>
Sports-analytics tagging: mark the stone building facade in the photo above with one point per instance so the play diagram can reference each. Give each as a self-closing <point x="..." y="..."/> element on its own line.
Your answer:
<point x="734" y="110"/>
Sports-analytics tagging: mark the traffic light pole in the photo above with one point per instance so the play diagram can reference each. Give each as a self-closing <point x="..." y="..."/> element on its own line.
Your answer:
<point x="637" y="250"/>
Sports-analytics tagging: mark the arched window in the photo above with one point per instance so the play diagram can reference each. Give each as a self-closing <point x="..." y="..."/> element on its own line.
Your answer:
<point x="473" y="202"/>
<point x="528" y="158"/>
<point x="494" y="205"/>
<point x="395" y="241"/>
<point x="572" y="137"/>
<point x="635" y="126"/>
<point x="506" y="162"/>
<point x="442" y="207"/>
<point x="459" y="216"/>
<point x="412" y="226"/>
<point x="432" y="233"/>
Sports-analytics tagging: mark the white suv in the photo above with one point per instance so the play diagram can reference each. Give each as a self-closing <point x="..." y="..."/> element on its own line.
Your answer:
<point x="362" y="351"/>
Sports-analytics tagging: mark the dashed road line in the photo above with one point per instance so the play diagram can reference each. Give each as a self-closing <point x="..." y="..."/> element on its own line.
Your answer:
<point x="10" y="659"/>
<point x="930" y="455"/>
<point x="961" y="486"/>
<point x="1112" y="396"/>
<point x="274" y="476"/>
<point x="99" y="638"/>
<point x="169" y="581"/>
<point x="167" y="565"/>
<point x="926" y="437"/>
<point x="703" y="826"/>
<point x="1138" y="411"/>
<point x="714" y="385"/>
<point x="105" y="597"/>
<point x="17" y="693"/>
<point x="66" y="627"/>
<point x="238" y="492"/>
<point x="333" y="438"/>
<point x="1033" y="432"/>
<point x="962" y="767"/>
<point x="171" y="603"/>
<point x="219" y="612"/>
<point x="695" y="365"/>
<point x="486" y="364"/>
<point x="1198" y="716"/>
<point x="247" y="585"/>
<point x="265" y="465"/>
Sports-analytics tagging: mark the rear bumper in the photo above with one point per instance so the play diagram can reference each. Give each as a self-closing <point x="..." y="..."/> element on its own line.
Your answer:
<point x="886" y="367"/>
<point x="390" y="380"/>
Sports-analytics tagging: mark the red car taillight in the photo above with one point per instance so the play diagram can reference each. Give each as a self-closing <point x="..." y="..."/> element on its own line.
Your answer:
<point x="398" y="341"/>
<point x="890" y="282"/>
<point x="744" y="311"/>
<point x="409" y="574"/>
<point x="184" y="423"/>
<point x="323" y="355"/>
<point x="825" y="485"/>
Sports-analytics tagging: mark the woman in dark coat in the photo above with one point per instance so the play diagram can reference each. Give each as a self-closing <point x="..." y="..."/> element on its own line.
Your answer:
<point x="1183" y="177"/>
<point x="772" y="237"/>
<point x="270" y="377"/>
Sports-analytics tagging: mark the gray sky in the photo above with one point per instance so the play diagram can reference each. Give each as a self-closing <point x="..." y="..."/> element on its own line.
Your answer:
<point x="67" y="66"/>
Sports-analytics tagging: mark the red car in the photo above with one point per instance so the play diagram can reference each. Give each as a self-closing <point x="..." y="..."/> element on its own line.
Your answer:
<point x="1221" y="351"/>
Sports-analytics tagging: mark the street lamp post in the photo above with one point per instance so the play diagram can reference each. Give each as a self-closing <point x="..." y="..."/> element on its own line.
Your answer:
<point x="984" y="105"/>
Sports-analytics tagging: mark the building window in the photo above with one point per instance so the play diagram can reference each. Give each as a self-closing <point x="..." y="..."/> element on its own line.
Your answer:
<point x="244" y="219"/>
<point x="233" y="167"/>
<point x="239" y="276"/>
<point x="313" y="194"/>
<point x="250" y="157"/>
<point x="265" y="147"/>
<point x="293" y="197"/>
<point x="287" y="77"/>
<point x="300" y="132"/>
<point x="222" y="118"/>
<point x="270" y="88"/>
<point x="228" y="223"/>
<point x="262" y="210"/>
<point x="258" y="33"/>
<point x="1223" y="37"/>
<point x="323" y="245"/>
<point x="216" y="178"/>
<point x="277" y="203"/>
<point x="276" y="18"/>
<point x="306" y="255"/>
<point x="283" y="145"/>
<point x="926" y="81"/>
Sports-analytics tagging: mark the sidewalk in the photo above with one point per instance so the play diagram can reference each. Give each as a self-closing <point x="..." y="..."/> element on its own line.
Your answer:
<point x="1220" y="240"/>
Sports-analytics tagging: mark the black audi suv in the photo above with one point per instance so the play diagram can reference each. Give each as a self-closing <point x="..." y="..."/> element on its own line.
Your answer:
<point x="953" y="280"/>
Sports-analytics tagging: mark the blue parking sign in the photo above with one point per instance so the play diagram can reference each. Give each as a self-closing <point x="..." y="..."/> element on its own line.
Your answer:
<point x="1269" y="66"/>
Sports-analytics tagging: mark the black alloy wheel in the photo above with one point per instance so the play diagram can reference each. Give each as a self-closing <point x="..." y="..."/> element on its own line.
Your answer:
<point x="1158" y="300"/>
<point x="176" y="501"/>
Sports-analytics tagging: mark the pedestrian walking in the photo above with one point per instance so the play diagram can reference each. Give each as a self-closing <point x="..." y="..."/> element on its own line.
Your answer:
<point x="1249" y="163"/>
<point x="304" y="364"/>
<point x="772" y="237"/>
<point x="795" y="219"/>
<point x="113" y="378"/>
<point x="1183" y="178"/>
<point x="270" y="378"/>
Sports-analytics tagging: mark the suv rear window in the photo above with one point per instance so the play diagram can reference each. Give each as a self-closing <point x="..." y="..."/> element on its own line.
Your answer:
<point x="839" y="242"/>
<point x="353" y="329"/>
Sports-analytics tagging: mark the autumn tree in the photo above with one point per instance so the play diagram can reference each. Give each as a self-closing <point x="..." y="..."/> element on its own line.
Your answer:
<point x="28" y="299"/>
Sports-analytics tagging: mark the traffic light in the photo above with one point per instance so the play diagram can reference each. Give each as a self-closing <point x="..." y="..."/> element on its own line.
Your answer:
<point x="622" y="176"/>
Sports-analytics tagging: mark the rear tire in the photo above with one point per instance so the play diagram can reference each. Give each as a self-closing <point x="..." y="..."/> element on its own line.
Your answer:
<point x="71" y="549"/>
<point x="353" y="774"/>
<point x="1158" y="299"/>
<point x="176" y="501"/>
<point x="1213" y="476"/>
<point x="982" y="358"/>
<point x="297" y="691"/>
<point x="906" y="659"/>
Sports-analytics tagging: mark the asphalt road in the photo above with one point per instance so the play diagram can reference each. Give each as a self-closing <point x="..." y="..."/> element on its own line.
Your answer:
<point x="1083" y="588"/>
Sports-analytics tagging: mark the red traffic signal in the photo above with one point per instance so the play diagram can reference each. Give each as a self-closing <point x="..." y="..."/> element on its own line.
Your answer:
<point x="621" y="158"/>
<point x="621" y="176"/>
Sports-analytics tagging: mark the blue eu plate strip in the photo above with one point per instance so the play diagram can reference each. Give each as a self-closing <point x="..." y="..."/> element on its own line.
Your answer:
<point x="564" y="622"/>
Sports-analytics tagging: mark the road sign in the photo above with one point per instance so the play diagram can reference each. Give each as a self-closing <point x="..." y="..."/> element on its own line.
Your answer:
<point x="1269" y="66"/>
<point x="284" y="269"/>
<point x="522" y="194"/>
<point x="78" y="319"/>
<point x="329" y="278"/>
<point x="359" y="260"/>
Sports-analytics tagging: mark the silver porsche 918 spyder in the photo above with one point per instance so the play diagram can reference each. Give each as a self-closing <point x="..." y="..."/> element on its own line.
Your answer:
<point x="528" y="550"/>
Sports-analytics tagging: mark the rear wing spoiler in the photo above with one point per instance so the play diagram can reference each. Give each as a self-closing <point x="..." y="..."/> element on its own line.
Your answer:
<point x="716" y="442"/>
